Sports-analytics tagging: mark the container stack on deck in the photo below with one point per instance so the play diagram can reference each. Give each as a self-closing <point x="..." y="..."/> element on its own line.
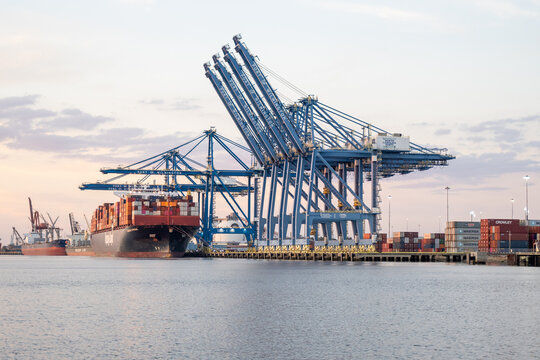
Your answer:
<point x="138" y="210"/>
<point x="462" y="236"/>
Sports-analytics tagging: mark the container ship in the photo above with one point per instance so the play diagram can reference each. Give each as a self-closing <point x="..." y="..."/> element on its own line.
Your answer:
<point x="144" y="226"/>
<point x="41" y="240"/>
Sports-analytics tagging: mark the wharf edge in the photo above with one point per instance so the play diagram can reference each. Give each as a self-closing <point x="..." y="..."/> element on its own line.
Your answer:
<point x="472" y="258"/>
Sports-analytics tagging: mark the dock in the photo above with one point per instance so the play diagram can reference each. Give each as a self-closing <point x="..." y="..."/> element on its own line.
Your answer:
<point x="344" y="255"/>
<point x="524" y="259"/>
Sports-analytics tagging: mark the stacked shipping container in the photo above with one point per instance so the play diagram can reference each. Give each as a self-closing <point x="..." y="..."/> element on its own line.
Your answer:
<point x="405" y="241"/>
<point x="533" y="228"/>
<point x="498" y="235"/>
<point x="462" y="236"/>
<point x="433" y="242"/>
<point x="138" y="210"/>
<point x="409" y="242"/>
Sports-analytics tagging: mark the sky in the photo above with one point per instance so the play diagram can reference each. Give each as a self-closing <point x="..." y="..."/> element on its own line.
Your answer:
<point x="86" y="85"/>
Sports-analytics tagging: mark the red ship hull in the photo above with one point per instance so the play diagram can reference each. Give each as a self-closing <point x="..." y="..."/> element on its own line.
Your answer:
<point x="45" y="251"/>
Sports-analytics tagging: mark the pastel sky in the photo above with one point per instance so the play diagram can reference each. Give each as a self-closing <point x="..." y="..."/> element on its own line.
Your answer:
<point x="91" y="84"/>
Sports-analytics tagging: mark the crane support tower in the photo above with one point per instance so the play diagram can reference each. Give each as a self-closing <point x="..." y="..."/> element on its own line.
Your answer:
<point x="313" y="158"/>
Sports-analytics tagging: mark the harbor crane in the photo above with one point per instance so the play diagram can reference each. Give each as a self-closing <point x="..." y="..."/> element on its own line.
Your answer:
<point x="309" y="162"/>
<point x="307" y="151"/>
<point x="184" y="171"/>
<point x="16" y="238"/>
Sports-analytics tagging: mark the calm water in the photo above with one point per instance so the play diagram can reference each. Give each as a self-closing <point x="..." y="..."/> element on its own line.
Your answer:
<point x="74" y="307"/>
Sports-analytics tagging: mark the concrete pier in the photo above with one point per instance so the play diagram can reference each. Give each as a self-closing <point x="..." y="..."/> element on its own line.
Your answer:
<point x="345" y="256"/>
<point x="523" y="259"/>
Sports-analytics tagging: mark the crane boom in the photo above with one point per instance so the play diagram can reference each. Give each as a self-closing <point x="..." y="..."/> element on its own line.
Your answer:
<point x="264" y="113"/>
<point x="268" y="93"/>
<point x="31" y="215"/>
<point x="235" y="114"/>
<point x="252" y="119"/>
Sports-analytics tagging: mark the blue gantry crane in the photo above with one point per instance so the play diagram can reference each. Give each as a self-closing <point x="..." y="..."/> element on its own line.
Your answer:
<point x="183" y="173"/>
<point x="314" y="158"/>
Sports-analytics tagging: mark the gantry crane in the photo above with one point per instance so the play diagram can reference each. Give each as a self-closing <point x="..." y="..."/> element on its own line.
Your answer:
<point x="207" y="180"/>
<point x="306" y="151"/>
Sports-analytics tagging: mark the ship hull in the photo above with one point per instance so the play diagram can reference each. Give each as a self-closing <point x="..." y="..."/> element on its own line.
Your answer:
<point x="53" y="248"/>
<point x="80" y="251"/>
<point x="143" y="241"/>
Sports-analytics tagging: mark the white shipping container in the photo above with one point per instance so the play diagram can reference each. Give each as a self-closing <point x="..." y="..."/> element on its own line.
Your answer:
<point x="392" y="143"/>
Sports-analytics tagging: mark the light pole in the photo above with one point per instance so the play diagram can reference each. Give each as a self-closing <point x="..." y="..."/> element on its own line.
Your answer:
<point x="389" y="214"/>
<point x="512" y="201"/>
<point x="447" y="207"/>
<point x="526" y="178"/>
<point x="472" y="215"/>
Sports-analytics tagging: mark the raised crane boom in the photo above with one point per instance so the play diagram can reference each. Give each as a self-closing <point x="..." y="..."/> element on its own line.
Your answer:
<point x="252" y="119"/>
<point x="235" y="114"/>
<point x="264" y="113"/>
<point x="268" y="93"/>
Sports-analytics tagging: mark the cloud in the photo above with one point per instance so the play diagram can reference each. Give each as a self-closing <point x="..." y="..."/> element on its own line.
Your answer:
<point x="138" y="2"/>
<point x="443" y="132"/>
<point x="47" y="131"/>
<point x="17" y="101"/>
<point x="477" y="139"/>
<point x="75" y="119"/>
<point x="152" y="102"/>
<point x="533" y="144"/>
<point x="504" y="123"/>
<point x="509" y="132"/>
<point x="380" y="11"/>
<point x="184" y="104"/>
<point x="180" y="104"/>
<point x="502" y="8"/>
<point x="24" y="113"/>
<point x="469" y="168"/>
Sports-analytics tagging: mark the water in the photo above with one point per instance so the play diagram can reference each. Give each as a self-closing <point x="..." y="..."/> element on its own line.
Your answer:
<point x="80" y="308"/>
